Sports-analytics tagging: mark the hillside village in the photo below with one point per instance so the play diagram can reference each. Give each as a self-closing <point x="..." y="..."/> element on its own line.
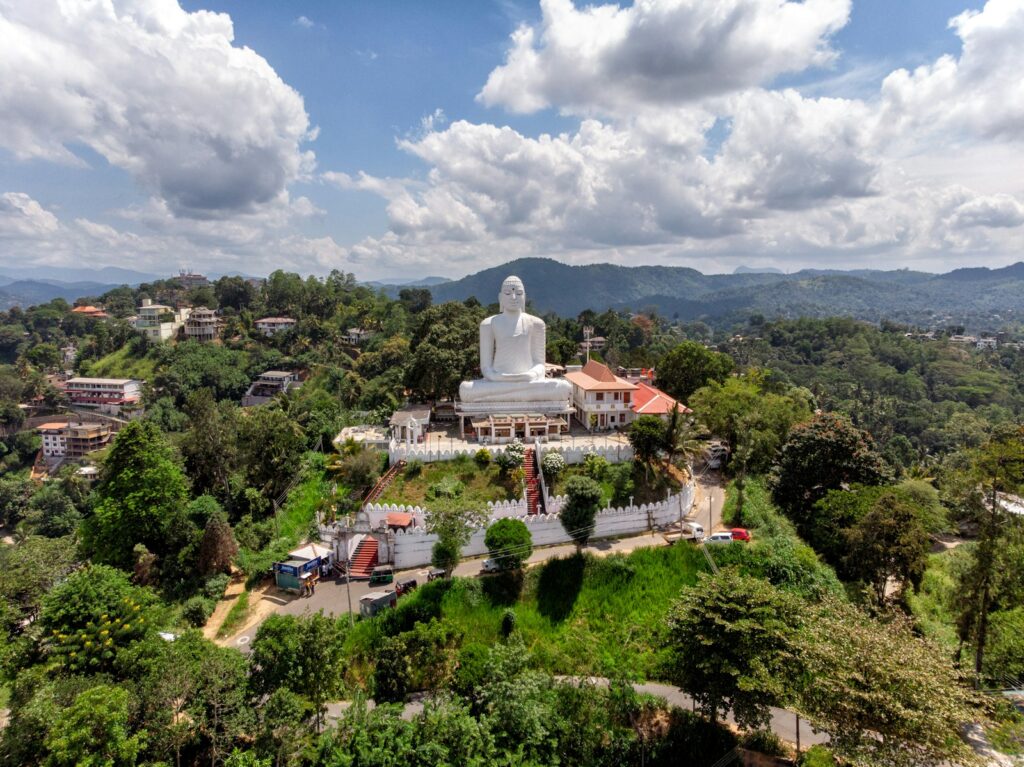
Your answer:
<point x="262" y="505"/>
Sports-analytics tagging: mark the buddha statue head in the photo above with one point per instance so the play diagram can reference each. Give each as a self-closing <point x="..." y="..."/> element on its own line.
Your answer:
<point x="512" y="297"/>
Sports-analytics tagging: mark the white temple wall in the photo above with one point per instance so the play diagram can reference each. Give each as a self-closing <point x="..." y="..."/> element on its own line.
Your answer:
<point x="413" y="548"/>
<point x="571" y="453"/>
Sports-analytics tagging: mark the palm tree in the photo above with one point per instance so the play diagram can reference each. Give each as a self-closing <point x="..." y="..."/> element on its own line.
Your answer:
<point x="680" y="439"/>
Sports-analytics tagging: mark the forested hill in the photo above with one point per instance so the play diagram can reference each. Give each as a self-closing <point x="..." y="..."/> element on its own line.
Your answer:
<point x="964" y="296"/>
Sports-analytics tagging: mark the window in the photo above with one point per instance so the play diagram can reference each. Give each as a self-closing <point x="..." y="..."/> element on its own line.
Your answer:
<point x="599" y="396"/>
<point x="625" y="397"/>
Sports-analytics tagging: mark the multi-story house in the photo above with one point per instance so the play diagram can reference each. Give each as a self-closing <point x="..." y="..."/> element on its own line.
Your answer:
<point x="108" y="395"/>
<point x="270" y="326"/>
<point x="202" y="325"/>
<point x="602" y="399"/>
<point x="73" y="440"/>
<point x="268" y="385"/>
<point x="160" y="322"/>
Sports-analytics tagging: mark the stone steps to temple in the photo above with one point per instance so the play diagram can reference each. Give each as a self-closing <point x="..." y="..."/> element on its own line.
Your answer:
<point x="364" y="559"/>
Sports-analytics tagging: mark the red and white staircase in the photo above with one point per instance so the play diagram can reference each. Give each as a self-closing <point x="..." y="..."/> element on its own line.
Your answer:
<point x="364" y="559"/>
<point x="534" y="502"/>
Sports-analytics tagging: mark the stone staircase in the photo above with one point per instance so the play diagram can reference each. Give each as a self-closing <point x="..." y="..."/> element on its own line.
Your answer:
<point x="534" y="501"/>
<point x="364" y="559"/>
<point x="382" y="484"/>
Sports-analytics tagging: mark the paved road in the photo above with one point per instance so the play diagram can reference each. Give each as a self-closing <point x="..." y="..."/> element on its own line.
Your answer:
<point x="783" y="723"/>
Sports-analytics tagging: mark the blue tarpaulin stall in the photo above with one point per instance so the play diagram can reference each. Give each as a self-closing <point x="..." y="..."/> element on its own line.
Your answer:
<point x="301" y="565"/>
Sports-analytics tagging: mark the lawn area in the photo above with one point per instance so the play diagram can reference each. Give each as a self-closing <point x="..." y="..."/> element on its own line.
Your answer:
<point x="577" y="615"/>
<point x="479" y="485"/>
<point x="122" y="364"/>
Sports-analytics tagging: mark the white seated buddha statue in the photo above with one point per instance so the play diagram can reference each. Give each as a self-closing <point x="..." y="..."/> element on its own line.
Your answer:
<point x="512" y="356"/>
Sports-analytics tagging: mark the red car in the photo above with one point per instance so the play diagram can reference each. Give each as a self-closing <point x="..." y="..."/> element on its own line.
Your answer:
<point x="740" y="534"/>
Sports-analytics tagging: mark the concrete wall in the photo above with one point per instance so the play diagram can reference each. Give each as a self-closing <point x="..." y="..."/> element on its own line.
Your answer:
<point x="572" y="454"/>
<point x="413" y="548"/>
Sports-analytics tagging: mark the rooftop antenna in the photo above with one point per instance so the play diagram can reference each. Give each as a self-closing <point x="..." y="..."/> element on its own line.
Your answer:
<point x="588" y="332"/>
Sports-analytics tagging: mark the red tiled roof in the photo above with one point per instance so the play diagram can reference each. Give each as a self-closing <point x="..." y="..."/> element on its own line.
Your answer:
<point x="651" y="401"/>
<point x="597" y="377"/>
<point x="398" y="519"/>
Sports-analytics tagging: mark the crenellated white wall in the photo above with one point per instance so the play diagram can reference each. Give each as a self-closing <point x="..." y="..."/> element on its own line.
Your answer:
<point x="572" y="454"/>
<point x="413" y="548"/>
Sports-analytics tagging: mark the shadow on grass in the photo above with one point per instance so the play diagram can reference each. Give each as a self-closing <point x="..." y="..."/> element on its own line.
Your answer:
<point x="559" y="586"/>
<point x="503" y="589"/>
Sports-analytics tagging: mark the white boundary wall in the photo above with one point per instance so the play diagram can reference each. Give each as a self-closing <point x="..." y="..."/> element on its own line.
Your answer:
<point x="413" y="548"/>
<point x="571" y="453"/>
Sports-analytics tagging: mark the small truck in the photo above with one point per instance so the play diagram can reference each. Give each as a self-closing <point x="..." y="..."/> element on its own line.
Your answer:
<point x="687" y="531"/>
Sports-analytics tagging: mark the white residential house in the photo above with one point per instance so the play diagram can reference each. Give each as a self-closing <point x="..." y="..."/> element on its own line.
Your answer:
<point x="357" y="336"/>
<point x="107" y="395"/>
<point x="409" y="424"/>
<point x="202" y="325"/>
<point x="986" y="343"/>
<point x="55" y="440"/>
<point x="271" y="326"/>
<point x="269" y="385"/>
<point x="160" y="322"/>
<point x="602" y="399"/>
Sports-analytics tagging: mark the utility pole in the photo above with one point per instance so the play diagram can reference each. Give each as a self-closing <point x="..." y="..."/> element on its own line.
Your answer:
<point x="348" y="578"/>
<point x="588" y="331"/>
<point x="711" y="519"/>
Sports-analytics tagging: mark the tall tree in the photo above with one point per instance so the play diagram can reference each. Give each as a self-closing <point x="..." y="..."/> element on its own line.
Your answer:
<point x="647" y="437"/>
<point x="884" y="695"/>
<point x="823" y="454"/>
<point x="95" y="731"/>
<point x="453" y="523"/>
<point x="218" y="547"/>
<point x="997" y="468"/>
<point x="445" y="350"/>
<point x="140" y="498"/>
<point x="690" y="366"/>
<point x="732" y="645"/>
<point x="889" y="543"/>
<point x="583" y="501"/>
<point x="509" y="543"/>
<point x="210" y="446"/>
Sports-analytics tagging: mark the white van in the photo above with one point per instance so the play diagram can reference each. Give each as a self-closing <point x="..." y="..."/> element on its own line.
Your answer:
<point x="693" y="531"/>
<point x="722" y="537"/>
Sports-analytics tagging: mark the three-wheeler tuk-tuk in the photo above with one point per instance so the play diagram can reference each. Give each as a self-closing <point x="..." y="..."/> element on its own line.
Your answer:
<point x="381" y="575"/>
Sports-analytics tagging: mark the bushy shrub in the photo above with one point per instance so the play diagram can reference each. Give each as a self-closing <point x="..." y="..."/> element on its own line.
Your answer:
<point x="448" y="487"/>
<point x="215" y="585"/>
<point x="413" y="469"/>
<point x="507" y="461"/>
<point x="817" y="756"/>
<point x="509" y="542"/>
<point x="508" y="622"/>
<point x="595" y="466"/>
<point x="764" y="742"/>
<point x="552" y="464"/>
<point x="197" y="611"/>
<point x="516" y="448"/>
<point x="482" y="458"/>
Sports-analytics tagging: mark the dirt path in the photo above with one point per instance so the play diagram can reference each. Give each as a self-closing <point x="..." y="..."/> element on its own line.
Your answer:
<point x="264" y="600"/>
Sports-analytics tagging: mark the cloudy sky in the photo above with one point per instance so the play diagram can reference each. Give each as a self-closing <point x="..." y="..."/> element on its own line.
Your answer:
<point x="406" y="139"/>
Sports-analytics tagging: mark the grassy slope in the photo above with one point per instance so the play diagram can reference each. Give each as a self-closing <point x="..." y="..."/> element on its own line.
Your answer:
<point x="121" y="364"/>
<point x="481" y="485"/>
<point x="584" y="615"/>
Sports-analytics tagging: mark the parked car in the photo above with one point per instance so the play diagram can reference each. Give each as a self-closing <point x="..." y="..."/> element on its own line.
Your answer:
<point x="724" y="537"/>
<point x="404" y="587"/>
<point x="436" y="574"/>
<point x="490" y="566"/>
<point x="740" y="534"/>
<point x="382" y="574"/>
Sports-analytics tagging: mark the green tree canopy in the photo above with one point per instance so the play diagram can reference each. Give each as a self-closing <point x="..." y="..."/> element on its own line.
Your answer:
<point x="95" y="731"/>
<point x="141" y="498"/>
<point x="823" y="454"/>
<point x="690" y="366"/>
<point x="732" y="645"/>
<point x="583" y="501"/>
<point x="509" y="543"/>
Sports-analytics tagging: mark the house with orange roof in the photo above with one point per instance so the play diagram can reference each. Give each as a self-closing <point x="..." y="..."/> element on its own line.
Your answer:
<point x="602" y="399"/>
<point x="91" y="311"/>
<point x="649" y="400"/>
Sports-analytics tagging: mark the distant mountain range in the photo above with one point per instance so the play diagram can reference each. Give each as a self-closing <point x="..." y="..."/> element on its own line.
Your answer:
<point x="33" y="292"/>
<point x="964" y="296"/>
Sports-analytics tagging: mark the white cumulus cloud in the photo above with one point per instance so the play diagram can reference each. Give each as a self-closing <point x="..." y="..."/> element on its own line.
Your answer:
<point x="610" y="59"/>
<point x="207" y="126"/>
